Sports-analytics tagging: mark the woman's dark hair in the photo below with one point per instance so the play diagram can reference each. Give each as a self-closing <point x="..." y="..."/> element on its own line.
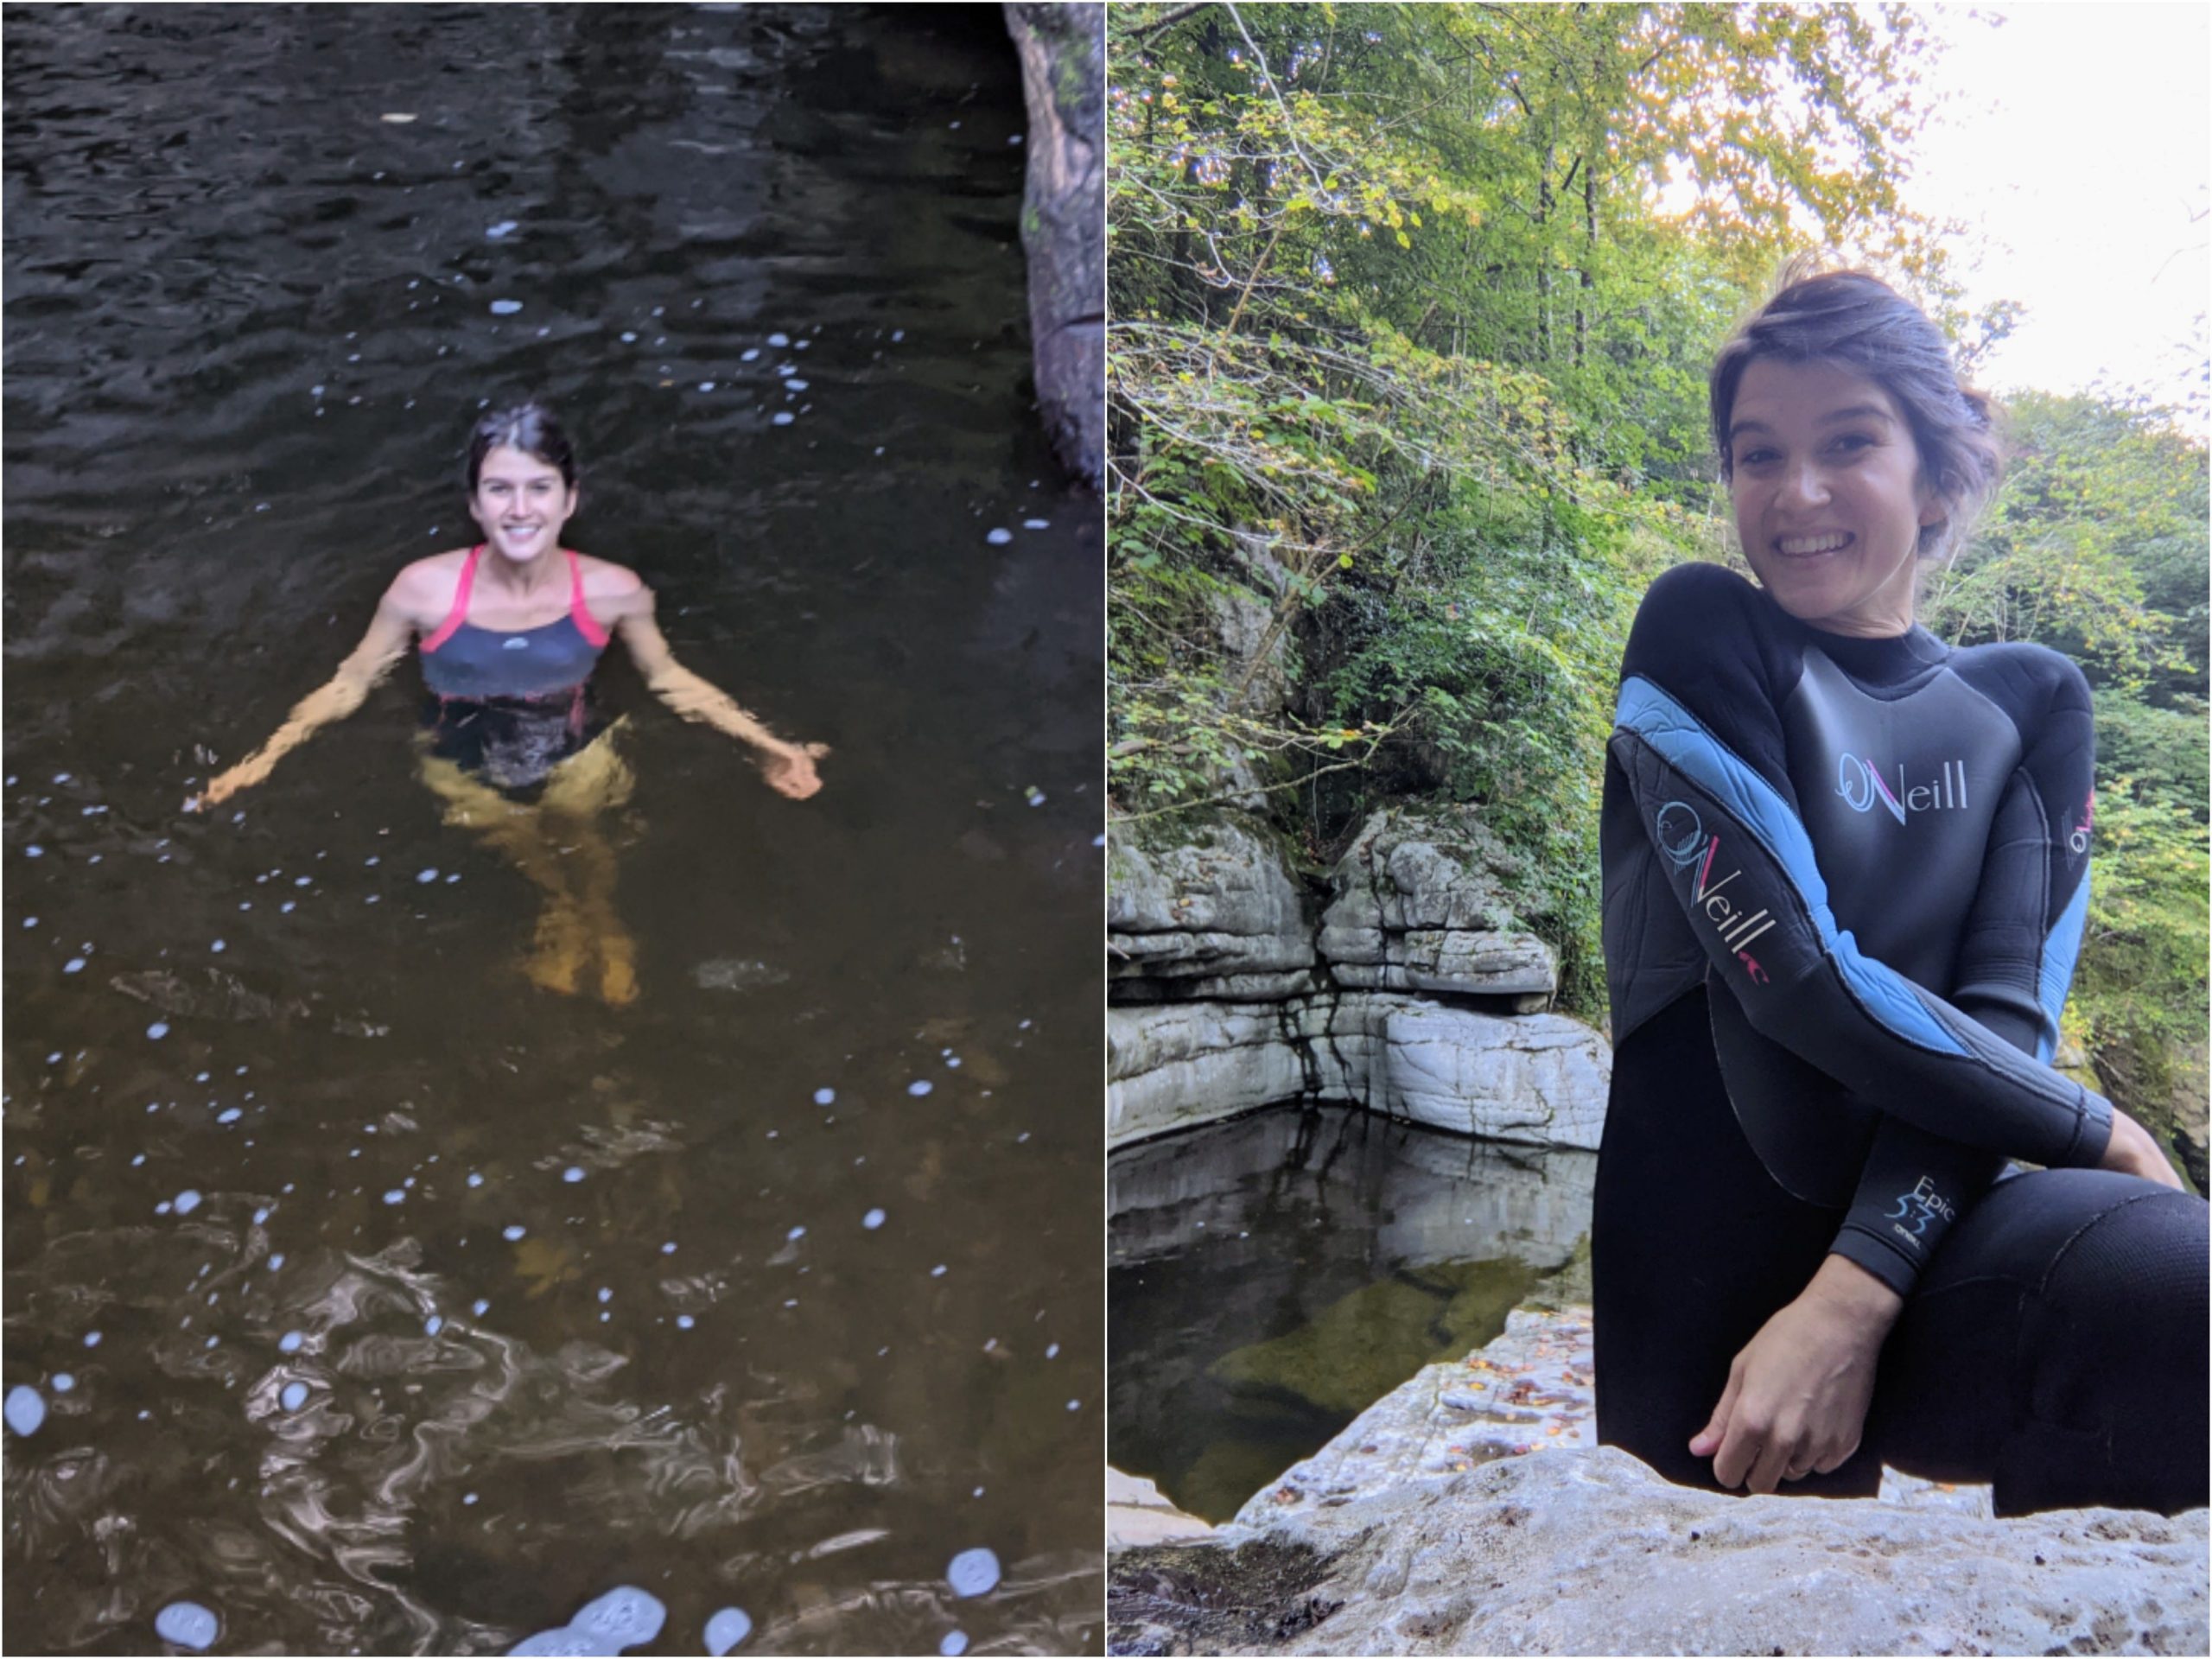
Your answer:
<point x="530" y="428"/>
<point x="1859" y="323"/>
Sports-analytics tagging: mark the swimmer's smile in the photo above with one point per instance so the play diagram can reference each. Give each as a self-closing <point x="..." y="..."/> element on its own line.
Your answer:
<point x="1805" y="548"/>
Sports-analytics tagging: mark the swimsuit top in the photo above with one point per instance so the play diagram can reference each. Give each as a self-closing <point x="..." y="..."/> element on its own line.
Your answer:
<point x="1873" y="854"/>
<point x="463" y="660"/>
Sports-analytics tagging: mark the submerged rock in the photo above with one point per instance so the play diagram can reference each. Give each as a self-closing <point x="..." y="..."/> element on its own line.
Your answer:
<point x="732" y="974"/>
<point x="1367" y="1342"/>
<point x="1195" y="1598"/>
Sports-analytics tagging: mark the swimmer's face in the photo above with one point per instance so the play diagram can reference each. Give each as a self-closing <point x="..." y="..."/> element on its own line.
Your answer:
<point x="520" y="504"/>
<point x="1829" y="496"/>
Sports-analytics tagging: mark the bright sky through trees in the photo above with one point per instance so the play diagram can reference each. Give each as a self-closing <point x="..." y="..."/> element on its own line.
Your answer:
<point x="2075" y="143"/>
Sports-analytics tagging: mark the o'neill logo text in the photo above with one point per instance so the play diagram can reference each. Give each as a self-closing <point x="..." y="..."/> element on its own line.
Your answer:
<point x="2078" y="842"/>
<point x="1682" y="838"/>
<point x="1861" y="784"/>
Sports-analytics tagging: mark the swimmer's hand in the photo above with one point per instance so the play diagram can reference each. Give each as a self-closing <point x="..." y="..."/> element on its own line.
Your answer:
<point x="1797" y="1398"/>
<point x="246" y="774"/>
<point x="2132" y="1152"/>
<point x="789" y="767"/>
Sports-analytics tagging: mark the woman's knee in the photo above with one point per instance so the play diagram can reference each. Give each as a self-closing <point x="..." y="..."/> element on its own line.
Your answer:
<point x="2133" y="1274"/>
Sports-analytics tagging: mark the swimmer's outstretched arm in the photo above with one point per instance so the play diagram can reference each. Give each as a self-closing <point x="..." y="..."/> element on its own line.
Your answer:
<point x="382" y="646"/>
<point x="789" y="767"/>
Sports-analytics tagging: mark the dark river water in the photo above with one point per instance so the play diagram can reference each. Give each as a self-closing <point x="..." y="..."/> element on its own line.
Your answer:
<point x="378" y="1299"/>
<point x="1272" y="1277"/>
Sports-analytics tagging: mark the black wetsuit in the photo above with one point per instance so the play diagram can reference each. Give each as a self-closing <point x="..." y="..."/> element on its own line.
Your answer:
<point x="1806" y="837"/>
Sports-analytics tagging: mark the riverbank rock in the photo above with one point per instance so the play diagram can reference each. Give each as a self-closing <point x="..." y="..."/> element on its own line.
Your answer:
<point x="1063" y="51"/>
<point x="1530" y="1389"/>
<point x="1138" y="1513"/>
<point x="1215" y="913"/>
<point x="1471" y="1511"/>
<point x="1589" y="1551"/>
<point x="1184" y="1064"/>
<point x="1538" y="1079"/>
<point x="1424" y="902"/>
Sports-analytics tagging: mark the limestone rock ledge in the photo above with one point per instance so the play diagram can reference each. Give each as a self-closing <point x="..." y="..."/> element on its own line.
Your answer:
<point x="1539" y="1079"/>
<point x="1425" y="901"/>
<point x="1219" y="913"/>
<point x="1587" y="1551"/>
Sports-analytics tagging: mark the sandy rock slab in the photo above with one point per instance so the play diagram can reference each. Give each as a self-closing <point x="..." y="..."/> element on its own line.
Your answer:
<point x="1588" y="1552"/>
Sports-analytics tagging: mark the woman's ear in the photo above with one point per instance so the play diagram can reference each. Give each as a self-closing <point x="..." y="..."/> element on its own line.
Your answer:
<point x="1935" y="506"/>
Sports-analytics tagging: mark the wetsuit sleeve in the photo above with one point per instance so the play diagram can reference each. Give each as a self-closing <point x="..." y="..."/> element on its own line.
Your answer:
<point x="1698" y="741"/>
<point x="2015" y="961"/>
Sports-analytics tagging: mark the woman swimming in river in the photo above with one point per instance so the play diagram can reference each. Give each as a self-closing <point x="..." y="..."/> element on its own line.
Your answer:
<point x="510" y="630"/>
<point x="1846" y="878"/>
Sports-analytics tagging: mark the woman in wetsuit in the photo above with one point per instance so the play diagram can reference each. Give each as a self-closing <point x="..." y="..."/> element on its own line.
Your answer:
<point x="509" y="631"/>
<point x="1846" y="876"/>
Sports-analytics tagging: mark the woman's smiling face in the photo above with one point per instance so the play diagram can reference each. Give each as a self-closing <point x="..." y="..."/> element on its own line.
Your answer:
<point x="520" y="503"/>
<point x="1828" y="495"/>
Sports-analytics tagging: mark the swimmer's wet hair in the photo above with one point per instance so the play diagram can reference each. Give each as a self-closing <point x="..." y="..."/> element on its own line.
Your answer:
<point x="1858" y="322"/>
<point x="530" y="428"/>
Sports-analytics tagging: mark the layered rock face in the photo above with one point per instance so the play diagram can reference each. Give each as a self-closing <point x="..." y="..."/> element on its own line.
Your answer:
<point x="1418" y="991"/>
<point x="1421" y="904"/>
<point x="1217" y="916"/>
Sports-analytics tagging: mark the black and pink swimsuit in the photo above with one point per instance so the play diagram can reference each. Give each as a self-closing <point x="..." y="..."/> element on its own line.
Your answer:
<point x="511" y="705"/>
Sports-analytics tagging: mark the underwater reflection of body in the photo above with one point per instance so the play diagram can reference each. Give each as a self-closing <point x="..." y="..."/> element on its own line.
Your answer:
<point x="511" y="631"/>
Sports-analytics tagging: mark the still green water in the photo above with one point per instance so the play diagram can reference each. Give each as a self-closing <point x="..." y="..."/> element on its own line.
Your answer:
<point x="1272" y="1277"/>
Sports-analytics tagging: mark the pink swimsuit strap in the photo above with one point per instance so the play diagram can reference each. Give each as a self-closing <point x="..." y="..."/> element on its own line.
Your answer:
<point x="587" y="624"/>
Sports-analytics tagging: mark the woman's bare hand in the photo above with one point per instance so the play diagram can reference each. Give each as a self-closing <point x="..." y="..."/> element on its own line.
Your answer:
<point x="224" y="784"/>
<point x="2132" y="1152"/>
<point x="1797" y="1398"/>
<point x="789" y="768"/>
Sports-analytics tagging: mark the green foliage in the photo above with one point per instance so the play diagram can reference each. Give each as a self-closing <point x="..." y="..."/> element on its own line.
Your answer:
<point x="2095" y="546"/>
<point x="2140" y="989"/>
